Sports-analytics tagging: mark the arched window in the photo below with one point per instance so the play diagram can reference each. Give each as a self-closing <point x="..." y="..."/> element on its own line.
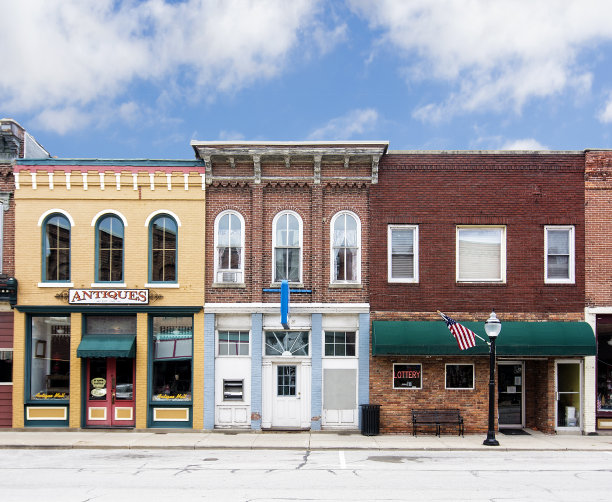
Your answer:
<point x="346" y="248"/>
<point x="229" y="247"/>
<point x="56" y="248"/>
<point x="163" y="238"/>
<point x="109" y="249"/>
<point x="287" y="244"/>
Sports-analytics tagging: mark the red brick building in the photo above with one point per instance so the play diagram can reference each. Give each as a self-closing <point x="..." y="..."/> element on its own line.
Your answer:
<point x="467" y="233"/>
<point x="295" y="212"/>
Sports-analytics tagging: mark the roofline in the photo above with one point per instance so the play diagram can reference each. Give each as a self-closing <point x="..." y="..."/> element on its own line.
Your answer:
<point x="486" y="152"/>
<point x="288" y="143"/>
<point x="110" y="162"/>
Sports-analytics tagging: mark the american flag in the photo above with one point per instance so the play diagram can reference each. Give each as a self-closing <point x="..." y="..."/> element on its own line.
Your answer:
<point x="466" y="338"/>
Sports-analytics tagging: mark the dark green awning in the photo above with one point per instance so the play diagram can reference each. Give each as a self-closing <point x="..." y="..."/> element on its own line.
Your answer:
<point x="107" y="346"/>
<point x="515" y="339"/>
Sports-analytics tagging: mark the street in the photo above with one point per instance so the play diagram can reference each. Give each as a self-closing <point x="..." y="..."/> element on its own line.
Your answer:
<point x="323" y="475"/>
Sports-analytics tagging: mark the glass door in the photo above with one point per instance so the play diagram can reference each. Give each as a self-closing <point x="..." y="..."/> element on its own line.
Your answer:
<point x="287" y="396"/>
<point x="110" y="396"/>
<point x="510" y="395"/>
<point x="569" y="384"/>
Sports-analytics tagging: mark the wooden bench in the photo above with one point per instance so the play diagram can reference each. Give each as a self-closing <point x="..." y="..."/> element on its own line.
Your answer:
<point x="437" y="418"/>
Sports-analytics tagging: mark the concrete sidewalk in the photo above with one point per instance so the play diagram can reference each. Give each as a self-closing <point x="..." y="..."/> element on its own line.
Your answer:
<point x="196" y="440"/>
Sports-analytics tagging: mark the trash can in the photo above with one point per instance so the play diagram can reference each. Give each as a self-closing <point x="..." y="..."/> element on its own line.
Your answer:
<point x="370" y="419"/>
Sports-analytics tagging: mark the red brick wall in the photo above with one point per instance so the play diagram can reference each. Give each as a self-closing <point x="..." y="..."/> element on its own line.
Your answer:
<point x="315" y="203"/>
<point x="524" y="192"/>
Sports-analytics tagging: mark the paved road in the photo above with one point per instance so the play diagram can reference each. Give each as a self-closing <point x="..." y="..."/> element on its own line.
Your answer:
<point x="273" y="475"/>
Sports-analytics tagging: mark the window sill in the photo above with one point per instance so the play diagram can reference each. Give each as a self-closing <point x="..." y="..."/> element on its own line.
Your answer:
<point x="55" y="284"/>
<point x="237" y="285"/>
<point x="167" y="285"/>
<point x="559" y="283"/>
<point x="346" y="285"/>
<point x="291" y="284"/>
<point x="480" y="284"/>
<point x="108" y="285"/>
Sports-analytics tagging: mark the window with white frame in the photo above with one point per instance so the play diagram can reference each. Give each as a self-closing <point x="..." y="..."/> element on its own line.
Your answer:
<point x="559" y="255"/>
<point x="402" y="253"/>
<point x="233" y="343"/>
<point x="340" y="343"/>
<point x="481" y="254"/>
<point x="346" y="244"/>
<point x="287" y="244"/>
<point x="407" y="376"/>
<point x="229" y="248"/>
<point x="459" y="376"/>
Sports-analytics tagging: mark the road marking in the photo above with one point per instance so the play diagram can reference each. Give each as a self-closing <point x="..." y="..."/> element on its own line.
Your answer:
<point x="342" y="459"/>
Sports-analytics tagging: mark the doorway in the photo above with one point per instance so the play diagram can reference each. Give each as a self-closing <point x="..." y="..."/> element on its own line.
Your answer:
<point x="569" y="397"/>
<point x="110" y="394"/>
<point x="286" y="402"/>
<point x="510" y="396"/>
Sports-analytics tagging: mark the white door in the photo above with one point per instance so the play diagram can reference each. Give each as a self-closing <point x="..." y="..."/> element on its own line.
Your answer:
<point x="286" y="401"/>
<point x="569" y="396"/>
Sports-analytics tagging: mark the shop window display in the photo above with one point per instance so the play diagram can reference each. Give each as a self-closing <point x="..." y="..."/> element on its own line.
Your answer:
<point x="604" y="371"/>
<point x="172" y="352"/>
<point x="50" y="358"/>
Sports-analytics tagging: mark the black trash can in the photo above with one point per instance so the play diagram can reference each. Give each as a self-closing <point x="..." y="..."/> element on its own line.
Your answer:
<point x="370" y="419"/>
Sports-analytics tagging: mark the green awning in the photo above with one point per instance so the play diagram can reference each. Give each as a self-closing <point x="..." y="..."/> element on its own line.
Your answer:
<point x="516" y="338"/>
<point x="107" y="346"/>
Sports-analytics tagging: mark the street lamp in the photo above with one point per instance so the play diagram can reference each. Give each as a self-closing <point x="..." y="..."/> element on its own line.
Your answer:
<point x="492" y="328"/>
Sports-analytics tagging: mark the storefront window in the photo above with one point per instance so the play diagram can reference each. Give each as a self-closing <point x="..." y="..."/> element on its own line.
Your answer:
<point x="172" y="358"/>
<point x="459" y="376"/>
<point x="604" y="369"/>
<point x="50" y="358"/>
<point x="6" y="366"/>
<point x="407" y="376"/>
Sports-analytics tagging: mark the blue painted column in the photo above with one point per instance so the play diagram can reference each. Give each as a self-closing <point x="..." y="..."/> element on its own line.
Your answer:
<point x="316" y="397"/>
<point x="209" y="371"/>
<point x="256" y="368"/>
<point x="364" y="361"/>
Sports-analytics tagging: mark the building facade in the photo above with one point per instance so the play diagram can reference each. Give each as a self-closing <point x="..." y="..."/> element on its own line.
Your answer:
<point x="109" y="320"/>
<point x="466" y="233"/>
<point x="294" y="214"/>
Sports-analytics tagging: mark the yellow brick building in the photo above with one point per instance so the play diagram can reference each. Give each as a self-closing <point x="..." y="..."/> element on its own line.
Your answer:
<point x="109" y="325"/>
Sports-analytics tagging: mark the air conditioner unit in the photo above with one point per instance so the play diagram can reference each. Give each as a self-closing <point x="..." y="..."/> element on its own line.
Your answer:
<point x="229" y="276"/>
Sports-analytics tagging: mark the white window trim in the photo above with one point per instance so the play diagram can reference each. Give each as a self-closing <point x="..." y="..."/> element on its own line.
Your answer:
<point x="343" y="330"/>
<point x="446" y="387"/>
<point x="501" y="280"/>
<point x="332" y="267"/>
<point x="230" y="356"/>
<point x="572" y="255"/>
<point x="415" y="229"/>
<point x="301" y="242"/>
<point x="406" y="388"/>
<point x="216" y="243"/>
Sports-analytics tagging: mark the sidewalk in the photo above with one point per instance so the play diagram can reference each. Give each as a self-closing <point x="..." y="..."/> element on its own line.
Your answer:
<point x="169" y="439"/>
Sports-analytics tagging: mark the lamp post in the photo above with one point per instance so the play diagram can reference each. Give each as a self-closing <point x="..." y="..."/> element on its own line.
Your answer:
<point x="492" y="328"/>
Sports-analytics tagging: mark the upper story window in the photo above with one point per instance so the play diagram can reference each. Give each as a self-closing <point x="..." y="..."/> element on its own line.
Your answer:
<point x="402" y="253"/>
<point x="56" y="248"/>
<point x="287" y="244"/>
<point x="162" y="253"/>
<point x="559" y="255"/>
<point x="481" y="254"/>
<point x="346" y="244"/>
<point x="109" y="249"/>
<point x="229" y="247"/>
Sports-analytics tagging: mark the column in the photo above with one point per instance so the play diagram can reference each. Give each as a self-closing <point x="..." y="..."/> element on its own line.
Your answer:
<point x="209" y="371"/>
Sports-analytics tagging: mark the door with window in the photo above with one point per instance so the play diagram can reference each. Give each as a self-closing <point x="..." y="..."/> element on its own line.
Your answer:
<point x="510" y="404"/>
<point x="286" y="402"/>
<point x="110" y="395"/>
<point x="569" y="397"/>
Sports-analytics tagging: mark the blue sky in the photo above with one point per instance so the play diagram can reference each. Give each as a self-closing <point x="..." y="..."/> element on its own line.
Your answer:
<point x="141" y="79"/>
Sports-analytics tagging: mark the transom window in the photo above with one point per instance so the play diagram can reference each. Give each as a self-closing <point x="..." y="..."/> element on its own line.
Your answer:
<point x="340" y="343"/>
<point x="559" y="258"/>
<point x="56" y="248"/>
<point x="346" y="242"/>
<point x="287" y="244"/>
<point x="402" y="253"/>
<point x="229" y="247"/>
<point x="481" y="254"/>
<point x="233" y="343"/>
<point x="163" y="250"/>
<point x="109" y="243"/>
<point x="287" y="343"/>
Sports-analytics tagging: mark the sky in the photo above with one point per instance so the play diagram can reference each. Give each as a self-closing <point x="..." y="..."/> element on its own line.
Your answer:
<point x="141" y="79"/>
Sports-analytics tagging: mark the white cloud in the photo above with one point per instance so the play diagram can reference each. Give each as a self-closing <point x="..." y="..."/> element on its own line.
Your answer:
<point x="354" y="123"/>
<point x="230" y="136"/>
<point x="605" y="115"/>
<point x="75" y="55"/>
<point x="496" y="55"/>
<point x="524" y="144"/>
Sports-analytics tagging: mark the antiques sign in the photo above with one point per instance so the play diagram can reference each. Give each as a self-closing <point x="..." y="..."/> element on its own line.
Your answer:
<point x="108" y="296"/>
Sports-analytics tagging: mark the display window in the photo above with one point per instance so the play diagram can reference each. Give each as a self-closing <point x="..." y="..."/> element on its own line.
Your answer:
<point x="49" y="358"/>
<point x="172" y="359"/>
<point x="407" y="376"/>
<point x="604" y="368"/>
